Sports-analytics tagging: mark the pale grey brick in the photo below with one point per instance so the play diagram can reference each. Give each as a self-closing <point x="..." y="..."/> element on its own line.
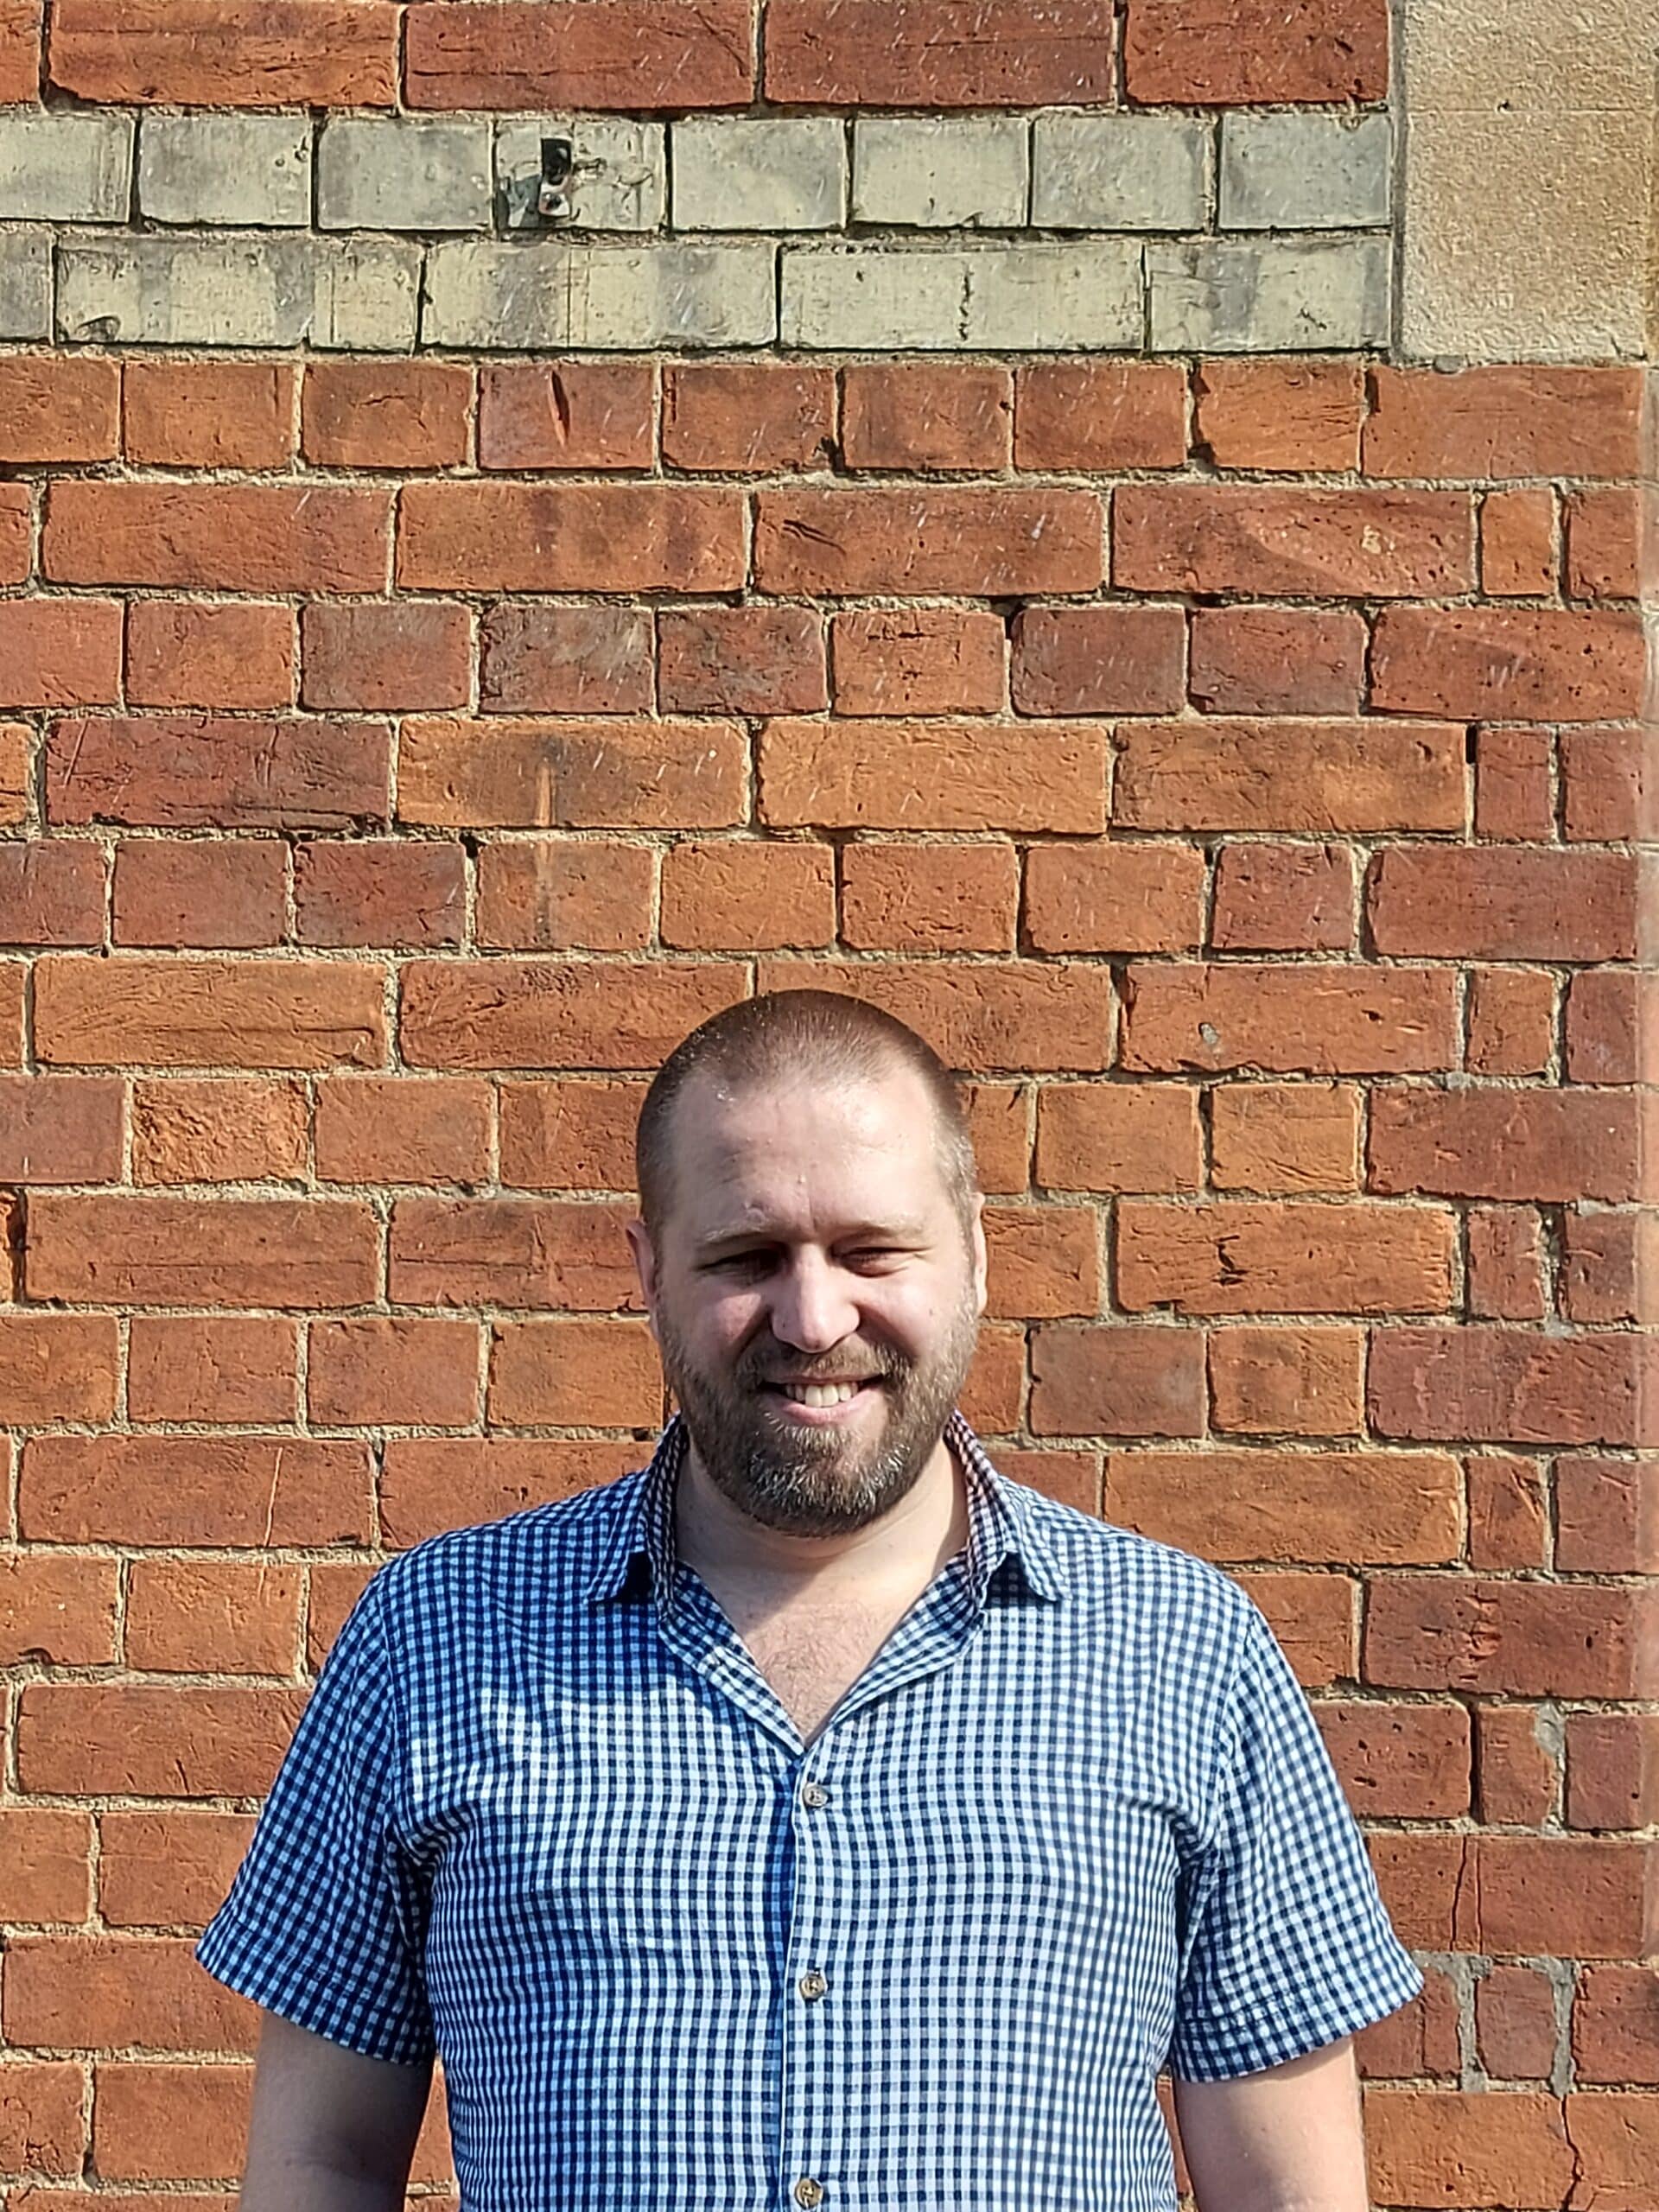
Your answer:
<point x="759" y="173"/>
<point x="620" y="182"/>
<point x="248" y="170"/>
<point x="1004" y="297"/>
<point x="1120" y="172"/>
<point x="402" y="173"/>
<point x="63" y="168"/>
<point x="1235" y="295"/>
<point x="941" y="172"/>
<point x="566" y="292"/>
<point x="240" y="291"/>
<point x="1304" y="172"/>
<point x="25" y="284"/>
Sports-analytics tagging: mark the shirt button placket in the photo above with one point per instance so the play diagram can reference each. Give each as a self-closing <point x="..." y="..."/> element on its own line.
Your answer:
<point x="808" y="2190"/>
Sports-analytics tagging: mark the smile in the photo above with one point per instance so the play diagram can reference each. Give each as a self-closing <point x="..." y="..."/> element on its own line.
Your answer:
<point x="820" y="1402"/>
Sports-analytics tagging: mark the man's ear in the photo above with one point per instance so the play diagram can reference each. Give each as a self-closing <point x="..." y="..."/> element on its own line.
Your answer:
<point x="982" y="1266"/>
<point x="644" y="1267"/>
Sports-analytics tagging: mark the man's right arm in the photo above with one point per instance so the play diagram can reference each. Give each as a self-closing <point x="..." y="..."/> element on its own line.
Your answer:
<point x="331" y="2131"/>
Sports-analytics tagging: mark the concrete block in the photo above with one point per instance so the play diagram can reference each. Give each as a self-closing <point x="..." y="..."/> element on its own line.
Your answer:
<point x="1120" y="172"/>
<point x="620" y="182"/>
<point x="1304" y="172"/>
<point x="563" y="292"/>
<point x="253" y="170"/>
<point x="25" y="284"/>
<point x="65" y="167"/>
<point x="240" y="291"/>
<point x="402" y="173"/>
<point x="761" y="173"/>
<point x="1039" y="296"/>
<point x="942" y="172"/>
<point x="1268" y="295"/>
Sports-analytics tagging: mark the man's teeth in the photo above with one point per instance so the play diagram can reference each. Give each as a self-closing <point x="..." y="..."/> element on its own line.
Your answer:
<point x="820" y="1394"/>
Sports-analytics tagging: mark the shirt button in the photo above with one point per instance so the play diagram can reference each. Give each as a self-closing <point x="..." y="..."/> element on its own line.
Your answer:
<point x="808" y="2191"/>
<point x="814" y="1793"/>
<point x="813" y="1984"/>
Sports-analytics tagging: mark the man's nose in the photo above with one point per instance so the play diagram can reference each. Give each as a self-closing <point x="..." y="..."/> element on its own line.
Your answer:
<point x="810" y="1308"/>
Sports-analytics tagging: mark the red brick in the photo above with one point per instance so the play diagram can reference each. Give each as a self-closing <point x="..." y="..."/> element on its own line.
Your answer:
<point x="436" y="1482"/>
<point x="1503" y="902"/>
<point x="1113" y="660"/>
<point x="999" y="1122"/>
<point x="228" y="1368"/>
<point x="110" y="1992"/>
<point x="1435" y="2144"/>
<point x="1283" y="899"/>
<point x="1291" y="1020"/>
<point x="1515" y="2017"/>
<point x="406" y="891"/>
<point x="1069" y="1478"/>
<point x="1118" y="1381"/>
<point x="1026" y="1016"/>
<point x="57" y="410"/>
<point x="11" y="1016"/>
<point x="176" y="1741"/>
<point x="192" y="772"/>
<point x="399" y="1129"/>
<point x="181" y="653"/>
<point x="1609" y="531"/>
<point x="1266" y="538"/>
<point x="1286" y="1137"/>
<point x="226" y="53"/>
<point x="917" y="898"/>
<point x="171" y="1012"/>
<point x="44" y="1874"/>
<point x="17" y="780"/>
<point x="60" y="652"/>
<point x="758" y="417"/>
<point x="1099" y="415"/>
<point x="1233" y="1256"/>
<point x="1612" y="1770"/>
<point x="575" y="775"/>
<point x="1609" y="790"/>
<point x="256" y="537"/>
<point x="1506" y="1263"/>
<point x="732" y="895"/>
<point x="1511" y="1021"/>
<point x="52" y="892"/>
<point x="1573" y="1895"/>
<point x="939" y="54"/>
<point x="1509" y="1516"/>
<point x="217" y="1131"/>
<point x="57" y="1367"/>
<point x="1529" y="420"/>
<point x="160" y="2122"/>
<point x="922" y="415"/>
<point x="741" y="660"/>
<point x="222" y="1490"/>
<point x="599" y="53"/>
<point x="57" y="1610"/>
<point x="19" y="49"/>
<point x="986" y="540"/>
<point x="1613" y="1027"/>
<point x="386" y="655"/>
<point x="548" y="1013"/>
<point x="1093" y="1136"/>
<point x="1520" y="1638"/>
<point x="173" y="1869"/>
<point x="620" y="538"/>
<point x="1532" y="664"/>
<point x="1287" y="660"/>
<point x="336" y="1587"/>
<point x="373" y="414"/>
<point x="847" y="774"/>
<point x="565" y="660"/>
<point x="1346" y="776"/>
<point x="1607" y="1516"/>
<point x="567" y="415"/>
<point x="1219" y="53"/>
<point x="1397" y="1761"/>
<point x="919" y="660"/>
<point x="144" y="1251"/>
<point x="1311" y="1615"/>
<point x="1044" y="1260"/>
<point x="208" y="414"/>
<point x="197" y="1617"/>
<point x="1290" y="415"/>
<point x="550" y="894"/>
<point x="1514" y="795"/>
<point x="571" y="1135"/>
<point x="1512" y="1387"/>
<point x="59" y="1129"/>
<point x="1286" y="1382"/>
<point x="581" y="1374"/>
<point x="406" y="1371"/>
<point x="41" y="2126"/>
<point x="1115" y="898"/>
<point x="1517" y="544"/>
<point x="1324" y="1508"/>
<point x="1616" y="2024"/>
<point x="1516" y="1768"/>
<point x="1549" y="1145"/>
<point x="17" y="531"/>
<point x="178" y="891"/>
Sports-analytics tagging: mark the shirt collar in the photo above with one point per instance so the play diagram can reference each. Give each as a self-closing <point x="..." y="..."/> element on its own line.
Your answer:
<point x="1001" y="1523"/>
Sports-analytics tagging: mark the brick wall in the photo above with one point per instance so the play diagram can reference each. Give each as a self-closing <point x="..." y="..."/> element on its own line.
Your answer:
<point x="444" y="654"/>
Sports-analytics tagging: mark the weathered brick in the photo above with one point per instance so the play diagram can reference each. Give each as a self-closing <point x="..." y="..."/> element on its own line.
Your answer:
<point x="1103" y="414"/>
<point x="1115" y="898"/>
<point x="919" y="415"/>
<point x="16" y="509"/>
<point x="1506" y="420"/>
<point x="1023" y="1016"/>
<point x="1304" y="172"/>
<point x="1517" y="1779"/>
<point x="1286" y="1382"/>
<point x="402" y="173"/>
<point x="1609" y="529"/>
<point x="1283" y="899"/>
<point x="570" y="1373"/>
<point x="549" y="893"/>
<point x="208" y="414"/>
<point x="192" y="772"/>
<point x="1515" y="787"/>
<point x="1609" y="789"/>
<point x="1611" y="1033"/>
<point x="1261" y="294"/>
<point x="1284" y="415"/>
<point x="44" y="1862"/>
<point x="52" y="892"/>
<point x="919" y="660"/>
<point x="59" y="1129"/>
<point x="1615" y="2020"/>
<point x="1125" y="172"/>
<point x="1361" y="776"/>
<point x="60" y="652"/>
<point x="986" y="541"/>
<point x="447" y="1482"/>
<point x="573" y="1134"/>
<point x="1325" y="1508"/>
<point x="393" y="1129"/>
<point x="530" y="1252"/>
<point x="758" y="416"/>
<point x="530" y="1014"/>
<point x="566" y="415"/>
<point x="1511" y="1386"/>
<point x="226" y="53"/>
<point x="19" y="49"/>
<point x="251" y="170"/>
<point x="565" y="660"/>
<point x="270" y="288"/>
<point x="1517" y="544"/>
<point x="171" y="1490"/>
<point x="939" y="52"/>
<point x="1610" y="1266"/>
<point x="849" y="774"/>
<point x="144" y="1251"/>
<point x="623" y="537"/>
<point x="1508" y="1514"/>
<point x="917" y="898"/>
<point x="219" y="537"/>
<point x="384" y="414"/>
<point x="1503" y="902"/>
<point x="176" y="892"/>
<point x="208" y="1013"/>
<point x="941" y="172"/>
<point x="57" y="1367"/>
<point x="1286" y="1137"/>
<point x="406" y="1371"/>
<point x="184" y="653"/>
<point x="619" y="182"/>
<point x="552" y="293"/>
<point x="65" y="409"/>
<point x="600" y="53"/>
<point x="223" y="1368"/>
<point x="385" y="655"/>
<point x="1523" y="1638"/>
<point x="741" y="660"/>
<point x="170" y="1869"/>
<point x="65" y="167"/>
<point x="1324" y="1019"/>
<point x="1112" y="660"/>
<point x="406" y="891"/>
<point x="1533" y="663"/>
<point x="1042" y="294"/>
<point x="16" y="777"/>
<point x="1268" y="539"/>
<point x="1094" y="1136"/>
<point x="730" y="895"/>
<point x="194" y="1617"/>
<point x="1287" y="660"/>
<point x="1232" y="1256"/>
<point x="1505" y="1269"/>
<point x="547" y="775"/>
<point x="42" y="2125"/>
<point x="1612" y="1775"/>
<point x="1045" y="1261"/>
<point x="1121" y="1380"/>
<point x="759" y="173"/>
<point x="1400" y="1760"/>
<point x="60" y="1611"/>
<point x="1511" y="1021"/>
<point x="1218" y="52"/>
<point x="172" y="1741"/>
<point x="1544" y="1144"/>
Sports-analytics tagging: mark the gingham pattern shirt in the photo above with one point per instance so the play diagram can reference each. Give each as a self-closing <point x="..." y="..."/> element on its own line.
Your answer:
<point x="543" y="1816"/>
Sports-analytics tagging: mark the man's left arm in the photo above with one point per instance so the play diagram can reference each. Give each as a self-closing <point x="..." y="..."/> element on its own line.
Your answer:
<point x="1288" y="2139"/>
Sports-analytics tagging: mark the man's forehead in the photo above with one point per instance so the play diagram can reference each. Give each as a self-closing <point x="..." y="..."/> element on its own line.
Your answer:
<point x="889" y="1112"/>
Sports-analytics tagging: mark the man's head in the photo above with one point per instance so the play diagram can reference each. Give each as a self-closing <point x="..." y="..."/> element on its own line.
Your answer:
<point x="809" y="1219"/>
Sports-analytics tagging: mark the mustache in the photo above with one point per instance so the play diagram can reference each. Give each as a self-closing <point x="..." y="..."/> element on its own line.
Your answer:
<point x="875" y="1367"/>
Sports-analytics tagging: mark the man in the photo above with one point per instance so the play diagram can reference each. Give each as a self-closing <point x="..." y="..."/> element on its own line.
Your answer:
<point x="816" y="1817"/>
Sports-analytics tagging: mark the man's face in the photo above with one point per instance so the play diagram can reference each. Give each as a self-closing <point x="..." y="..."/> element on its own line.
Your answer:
<point x="814" y="1293"/>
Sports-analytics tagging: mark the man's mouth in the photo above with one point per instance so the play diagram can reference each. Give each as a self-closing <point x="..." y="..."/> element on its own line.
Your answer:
<point x="819" y="1395"/>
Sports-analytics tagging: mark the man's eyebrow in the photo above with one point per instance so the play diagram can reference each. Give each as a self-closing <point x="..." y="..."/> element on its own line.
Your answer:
<point x="906" y="1231"/>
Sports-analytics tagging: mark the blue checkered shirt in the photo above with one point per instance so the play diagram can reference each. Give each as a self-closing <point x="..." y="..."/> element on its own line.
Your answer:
<point x="1076" y="1824"/>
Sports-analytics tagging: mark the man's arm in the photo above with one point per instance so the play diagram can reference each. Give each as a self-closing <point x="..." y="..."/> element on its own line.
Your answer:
<point x="331" y="2131"/>
<point x="1290" y="2139"/>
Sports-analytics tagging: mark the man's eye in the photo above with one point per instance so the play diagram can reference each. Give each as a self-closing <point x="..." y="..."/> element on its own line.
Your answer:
<point x="866" y="1253"/>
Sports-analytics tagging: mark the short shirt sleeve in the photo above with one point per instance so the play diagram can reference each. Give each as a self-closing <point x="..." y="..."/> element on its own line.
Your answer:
<point x="325" y="1921"/>
<point x="1285" y="1944"/>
